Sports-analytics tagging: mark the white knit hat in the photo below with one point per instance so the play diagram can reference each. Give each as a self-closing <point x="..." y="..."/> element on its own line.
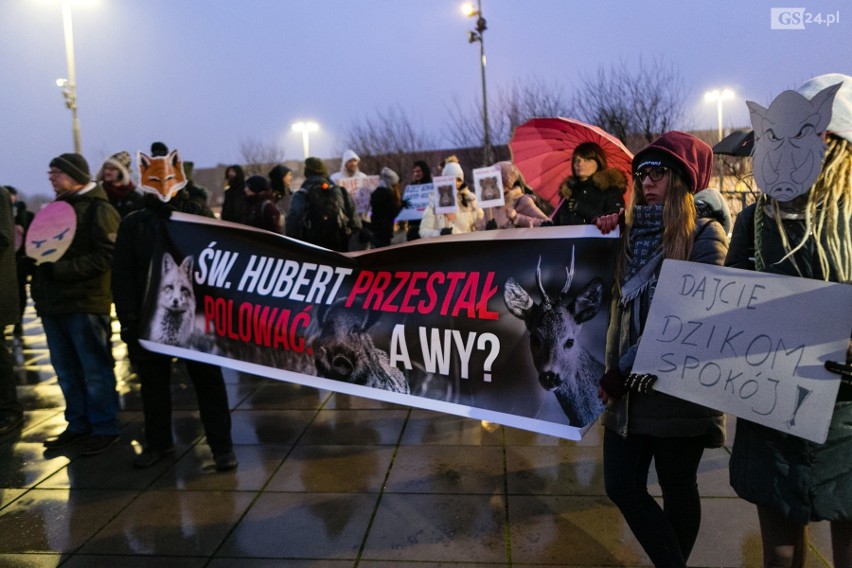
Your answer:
<point x="453" y="169"/>
<point x="841" y="110"/>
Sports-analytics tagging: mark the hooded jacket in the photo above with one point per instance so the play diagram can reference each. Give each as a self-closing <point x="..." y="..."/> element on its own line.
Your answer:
<point x="584" y="201"/>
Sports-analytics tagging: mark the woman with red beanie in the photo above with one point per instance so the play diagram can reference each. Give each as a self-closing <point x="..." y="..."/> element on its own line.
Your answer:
<point x="663" y="221"/>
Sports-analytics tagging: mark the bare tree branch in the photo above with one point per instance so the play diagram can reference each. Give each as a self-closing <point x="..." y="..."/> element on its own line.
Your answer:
<point x="259" y="157"/>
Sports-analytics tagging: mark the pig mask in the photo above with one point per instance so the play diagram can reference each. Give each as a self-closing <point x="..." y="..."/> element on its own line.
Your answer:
<point x="789" y="142"/>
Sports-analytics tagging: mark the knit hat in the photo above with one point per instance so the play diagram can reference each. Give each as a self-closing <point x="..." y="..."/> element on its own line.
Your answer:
<point x="453" y="169"/>
<point x="389" y="177"/>
<point x="159" y="149"/>
<point x="257" y="184"/>
<point x="510" y="174"/>
<point x="315" y="167"/>
<point x="686" y="154"/>
<point x="841" y="109"/>
<point x="121" y="162"/>
<point x="74" y="165"/>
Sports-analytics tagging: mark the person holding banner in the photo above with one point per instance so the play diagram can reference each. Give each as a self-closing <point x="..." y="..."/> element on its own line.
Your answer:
<point x="468" y="216"/>
<point x="800" y="227"/>
<point x="420" y="174"/>
<point x="640" y="426"/>
<point x="139" y="250"/>
<point x="520" y="209"/>
<point x="385" y="204"/>
<point x="592" y="189"/>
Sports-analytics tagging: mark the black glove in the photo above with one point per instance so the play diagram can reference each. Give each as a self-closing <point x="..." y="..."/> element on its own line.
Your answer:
<point x="46" y="269"/>
<point x="164" y="212"/>
<point x="406" y="203"/>
<point x="130" y="332"/>
<point x="447" y="231"/>
<point x="491" y="225"/>
<point x="613" y="383"/>
<point x="547" y="223"/>
<point x="640" y="382"/>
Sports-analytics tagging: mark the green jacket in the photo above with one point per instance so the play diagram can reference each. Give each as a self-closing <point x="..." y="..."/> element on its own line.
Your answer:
<point x="79" y="282"/>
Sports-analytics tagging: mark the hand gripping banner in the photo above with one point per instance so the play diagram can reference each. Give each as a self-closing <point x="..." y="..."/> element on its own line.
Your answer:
<point x="506" y="326"/>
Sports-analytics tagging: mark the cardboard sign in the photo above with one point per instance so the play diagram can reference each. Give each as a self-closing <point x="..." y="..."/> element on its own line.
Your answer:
<point x="488" y="183"/>
<point x="360" y="188"/>
<point x="445" y="194"/>
<point x="51" y="232"/>
<point x="748" y="343"/>
<point x="440" y="324"/>
<point x="418" y="199"/>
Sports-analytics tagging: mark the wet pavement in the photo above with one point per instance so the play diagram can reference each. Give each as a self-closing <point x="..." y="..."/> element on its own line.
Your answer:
<point x="330" y="481"/>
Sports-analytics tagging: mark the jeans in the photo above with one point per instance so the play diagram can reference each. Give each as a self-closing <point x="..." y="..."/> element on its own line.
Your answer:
<point x="81" y="353"/>
<point x="667" y="533"/>
<point x="155" y="377"/>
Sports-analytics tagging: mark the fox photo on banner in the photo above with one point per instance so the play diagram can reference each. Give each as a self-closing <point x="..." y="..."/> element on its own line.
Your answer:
<point x="506" y="326"/>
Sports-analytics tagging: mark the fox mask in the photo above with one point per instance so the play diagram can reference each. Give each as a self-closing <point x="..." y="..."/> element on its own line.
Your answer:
<point x="163" y="176"/>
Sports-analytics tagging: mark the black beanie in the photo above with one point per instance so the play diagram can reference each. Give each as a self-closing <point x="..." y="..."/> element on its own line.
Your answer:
<point x="656" y="159"/>
<point x="315" y="167"/>
<point x="257" y="184"/>
<point x="159" y="149"/>
<point x="74" y="165"/>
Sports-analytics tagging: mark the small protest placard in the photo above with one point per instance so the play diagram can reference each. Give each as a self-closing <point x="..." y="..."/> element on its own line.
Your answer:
<point x="418" y="199"/>
<point x="360" y="188"/>
<point x="51" y="232"/>
<point x="748" y="343"/>
<point x="445" y="194"/>
<point x="488" y="184"/>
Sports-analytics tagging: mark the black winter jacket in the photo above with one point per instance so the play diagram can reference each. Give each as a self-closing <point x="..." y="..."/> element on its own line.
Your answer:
<point x="601" y="194"/>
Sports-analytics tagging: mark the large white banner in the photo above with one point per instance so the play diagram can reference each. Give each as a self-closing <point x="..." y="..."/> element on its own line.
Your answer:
<point x="748" y="343"/>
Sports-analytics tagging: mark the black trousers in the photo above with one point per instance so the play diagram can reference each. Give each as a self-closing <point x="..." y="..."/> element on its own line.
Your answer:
<point x="155" y="375"/>
<point x="667" y="533"/>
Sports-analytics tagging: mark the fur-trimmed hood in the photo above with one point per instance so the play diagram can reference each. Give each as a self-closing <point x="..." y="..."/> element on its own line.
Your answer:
<point x="604" y="180"/>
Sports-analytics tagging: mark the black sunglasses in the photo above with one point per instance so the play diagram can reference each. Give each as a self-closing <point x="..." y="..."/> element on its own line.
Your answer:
<point x="655" y="173"/>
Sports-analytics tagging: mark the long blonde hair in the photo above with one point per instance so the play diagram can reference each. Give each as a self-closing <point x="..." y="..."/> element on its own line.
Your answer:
<point x="679" y="217"/>
<point x="828" y="212"/>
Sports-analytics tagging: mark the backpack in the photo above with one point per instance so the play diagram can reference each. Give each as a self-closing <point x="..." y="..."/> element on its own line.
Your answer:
<point x="327" y="223"/>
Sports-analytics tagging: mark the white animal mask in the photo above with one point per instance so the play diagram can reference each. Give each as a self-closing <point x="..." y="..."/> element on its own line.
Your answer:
<point x="789" y="142"/>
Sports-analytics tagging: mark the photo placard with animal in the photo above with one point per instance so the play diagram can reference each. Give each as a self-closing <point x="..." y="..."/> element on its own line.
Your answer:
<point x="488" y="185"/>
<point x="453" y="325"/>
<point x="445" y="194"/>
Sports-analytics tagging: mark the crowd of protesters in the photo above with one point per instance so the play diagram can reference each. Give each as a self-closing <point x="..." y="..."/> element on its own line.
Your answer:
<point x="670" y="214"/>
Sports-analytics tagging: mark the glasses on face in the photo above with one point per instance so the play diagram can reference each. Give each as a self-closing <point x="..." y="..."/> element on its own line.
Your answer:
<point x="655" y="173"/>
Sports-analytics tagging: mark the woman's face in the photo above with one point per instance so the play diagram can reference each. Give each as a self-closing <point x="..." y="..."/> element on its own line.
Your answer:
<point x="230" y="174"/>
<point x="584" y="168"/>
<point x="416" y="174"/>
<point x="655" y="183"/>
<point x="288" y="179"/>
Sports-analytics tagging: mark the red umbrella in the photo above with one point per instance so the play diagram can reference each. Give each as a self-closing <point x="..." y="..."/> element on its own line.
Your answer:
<point x="542" y="149"/>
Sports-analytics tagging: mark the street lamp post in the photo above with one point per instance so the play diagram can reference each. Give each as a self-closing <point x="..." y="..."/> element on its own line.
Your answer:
<point x="305" y="128"/>
<point x="69" y="86"/>
<point x="473" y="36"/>
<point x="718" y="96"/>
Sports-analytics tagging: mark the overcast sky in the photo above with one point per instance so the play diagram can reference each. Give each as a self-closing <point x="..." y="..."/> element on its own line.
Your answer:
<point x="204" y="75"/>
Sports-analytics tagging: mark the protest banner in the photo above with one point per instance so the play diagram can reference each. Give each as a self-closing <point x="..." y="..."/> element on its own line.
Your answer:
<point x="417" y="196"/>
<point x="439" y="323"/>
<point x="748" y="343"/>
<point x="488" y="187"/>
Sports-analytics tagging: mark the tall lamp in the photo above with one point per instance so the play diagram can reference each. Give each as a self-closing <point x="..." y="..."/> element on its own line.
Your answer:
<point x="717" y="96"/>
<point x="305" y="128"/>
<point x="472" y="36"/>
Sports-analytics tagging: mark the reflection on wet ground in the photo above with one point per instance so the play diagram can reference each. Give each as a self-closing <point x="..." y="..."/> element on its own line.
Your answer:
<point x="325" y="480"/>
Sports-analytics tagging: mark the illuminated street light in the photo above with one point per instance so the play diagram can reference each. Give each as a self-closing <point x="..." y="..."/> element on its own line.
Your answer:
<point x="69" y="85"/>
<point x="305" y="128"/>
<point x="472" y="36"/>
<point x="717" y="96"/>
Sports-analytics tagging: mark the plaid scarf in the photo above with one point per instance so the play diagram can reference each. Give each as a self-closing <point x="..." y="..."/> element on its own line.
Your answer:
<point x="646" y="237"/>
